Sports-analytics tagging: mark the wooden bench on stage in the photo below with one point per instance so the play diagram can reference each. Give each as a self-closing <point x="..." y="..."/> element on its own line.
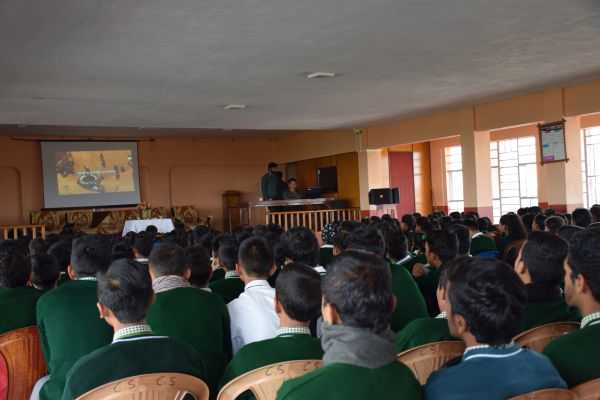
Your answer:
<point x="16" y="231"/>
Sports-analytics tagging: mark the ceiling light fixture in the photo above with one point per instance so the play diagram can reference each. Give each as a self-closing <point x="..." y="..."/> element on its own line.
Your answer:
<point x="235" y="107"/>
<point x="320" y="74"/>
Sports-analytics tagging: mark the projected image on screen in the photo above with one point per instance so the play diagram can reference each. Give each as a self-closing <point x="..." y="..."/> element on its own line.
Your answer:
<point x="85" y="172"/>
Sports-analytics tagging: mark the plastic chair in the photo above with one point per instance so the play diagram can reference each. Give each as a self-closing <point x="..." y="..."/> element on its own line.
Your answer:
<point x="538" y="338"/>
<point x="165" y="386"/>
<point x="548" y="394"/>
<point x="265" y="382"/>
<point x="588" y="390"/>
<point x="426" y="359"/>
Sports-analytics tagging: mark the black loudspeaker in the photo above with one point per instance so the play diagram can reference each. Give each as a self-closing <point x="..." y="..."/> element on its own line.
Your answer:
<point x="384" y="196"/>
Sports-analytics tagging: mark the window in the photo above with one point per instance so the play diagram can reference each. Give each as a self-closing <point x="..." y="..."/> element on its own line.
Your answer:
<point x="590" y="160"/>
<point x="514" y="175"/>
<point x="454" y="179"/>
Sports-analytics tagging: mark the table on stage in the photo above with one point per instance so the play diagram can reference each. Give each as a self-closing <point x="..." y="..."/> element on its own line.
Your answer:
<point x="164" y="225"/>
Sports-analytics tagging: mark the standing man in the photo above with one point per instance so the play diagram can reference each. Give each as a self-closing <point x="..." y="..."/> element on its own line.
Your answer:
<point x="271" y="183"/>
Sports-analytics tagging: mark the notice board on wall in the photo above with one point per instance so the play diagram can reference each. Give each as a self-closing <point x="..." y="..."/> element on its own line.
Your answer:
<point x="553" y="146"/>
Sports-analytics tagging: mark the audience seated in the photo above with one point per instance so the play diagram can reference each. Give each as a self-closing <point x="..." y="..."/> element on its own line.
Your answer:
<point x="577" y="355"/>
<point x="44" y="272"/>
<point x="539" y="223"/>
<point x="67" y="316"/>
<point x="595" y="211"/>
<point x="566" y="232"/>
<point x="17" y="300"/>
<point x="513" y="235"/>
<point x="360" y="358"/>
<point x="480" y="242"/>
<point x="231" y="286"/>
<point x="253" y="316"/>
<point x="486" y="305"/>
<point x="197" y="260"/>
<point x="142" y="246"/>
<point x="61" y="251"/>
<point x="463" y="237"/>
<point x="328" y="237"/>
<point x="124" y="295"/>
<point x="37" y="247"/>
<point x="582" y="217"/>
<point x="188" y="314"/>
<point x="553" y="224"/>
<point x="122" y="250"/>
<point x="297" y="302"/>
<point x="410" y="303"/>
<point x="301" y="246"/>
<point x="219" y="270"/>
<point x="540" y="267"/>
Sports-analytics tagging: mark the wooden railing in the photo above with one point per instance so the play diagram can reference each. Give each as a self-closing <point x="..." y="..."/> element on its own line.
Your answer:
<point x="15" y="231"/>
<point x="313" y="219"/>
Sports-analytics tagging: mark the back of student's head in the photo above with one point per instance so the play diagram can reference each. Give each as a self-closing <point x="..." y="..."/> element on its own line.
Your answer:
<point x="126" y="290"/>
<point x="90" y="255"/>
<point x="490" y="297"/>
<point x="539" y="222"/>
<point x="228" y="254"/>
<point x="409" y="222"/>
<point x="358" y="285"/>
<point x="584" y="259"/>
<point x="121" y="249"/>
<point x="301" y="246"/>
<point x="566" y="232"/>
<point x="143" y="243"/>
<point x="515" y="230"/>
<point x="298" y="290"/>
<point x="464" y="238"/>
<point x="528" y="221"/>
<point x="255" y="257"/>
<point x="582" y="217"/>
<point x="554" y="223"/>
<point x="167" y="259"/>
<point x="595" y="211"/>
<point x="367" y="239"/>
<point x="44" y="271"/>
<point x="443" y="244"/>
<point x="198" y="261"/>
<point x="397" y="245"/>
<point x="37" y="246"/>
<point x="61" y="251"/>
<point x="14" y="267"/>
<point x="543" y="255"/>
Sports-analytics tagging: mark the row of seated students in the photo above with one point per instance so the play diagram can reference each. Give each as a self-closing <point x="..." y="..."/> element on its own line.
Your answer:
<point x="273" y="302"/>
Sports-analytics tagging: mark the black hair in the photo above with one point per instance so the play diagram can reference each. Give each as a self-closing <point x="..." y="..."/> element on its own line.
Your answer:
<point x="446" y="270"/>
<point x="298" y="289"/>
<point x="410" y="221"/>
<point x="37" y="246"/>
<point x="443" y="244"/>
<point x="216" y="243"/>
<point x="292" y="180"/>
<point x="584" y="259"/>
<point x="471" y="224"/>
<point x="143" y="243"/>
<point x="14" y="266"/>
<point x="595" y="211"/>
<point x="90" y="255"/>
<point x="302" y="246"/>
<point x="522" y="211"/>
<point x="256" y="257"/>
<point x="425" y="224"/>
<point x="540" y="221"/>
<point x="167" y="259"/>
<point x="566" y="232"/>
<point x="397" y="245"/>
<point x="121" y="250"/>
<point x="554" y="223"/>
<point x="527" y="220"/>
<point x="516" y="229"/>
<point x="535" y="210"/>
<point x="228" y="254"/>
<point x="198" y="261"/>
<point x="44" y="271"/>
<point x="272" y="165"/>
<point x="544" y="255"/>
<point x="582" y="217"/>
<point x="126" y="290"/>
<point x="491" y="298"/>
<point x="464" y="238"/>
<point x="61" y="251"/>
<point x="358" y="284"/>
<point x="367" y="239"/>
<point x="152" y="229"/>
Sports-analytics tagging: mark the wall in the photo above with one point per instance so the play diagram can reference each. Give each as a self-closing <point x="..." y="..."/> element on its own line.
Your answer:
<point x="402" y="177"/>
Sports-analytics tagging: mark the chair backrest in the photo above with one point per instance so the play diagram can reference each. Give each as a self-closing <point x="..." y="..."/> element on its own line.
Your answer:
<point x="265" y="382"/>
<point x="538" y="338"/>
<point x="426" y="359"/>
<point x="163" y="386"/>
<point x="25" y="363"/>
<point x="589" y="390"/>
<point x="548" y="394"/>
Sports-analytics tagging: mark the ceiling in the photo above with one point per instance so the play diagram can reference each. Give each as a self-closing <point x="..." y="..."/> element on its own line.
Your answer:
<point x="176" y="63"/>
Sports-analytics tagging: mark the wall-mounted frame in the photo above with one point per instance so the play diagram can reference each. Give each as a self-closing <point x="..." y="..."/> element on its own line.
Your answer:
<point x="553" y="146"/>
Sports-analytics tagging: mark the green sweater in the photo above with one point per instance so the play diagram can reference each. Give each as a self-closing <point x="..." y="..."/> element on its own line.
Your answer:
<point x="135" y="356"/>
<point x="482" y="243"/>
<point x="198" y="318"/>
<point x="228" y="288"/>
<point x="576" y="355"/>
<point x="538" y="314"/>
<point x="421" y="332"/>
<point x="410" y="302"/>
<point x="349" y="382"/>
<point x="17" y="307"/>
<point x="70" y="328"/>
<point x="217" y="275"/>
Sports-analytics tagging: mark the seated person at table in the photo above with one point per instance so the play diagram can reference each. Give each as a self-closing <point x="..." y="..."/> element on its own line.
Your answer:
<point x="232" y="286"/>
<point x="291" y="193"/>
<point x="301" y="246"/>
<point x="486" y="305"/>
<point x="17" y="300"/>
<point x="480" y="242"/>
<point x="124" y="295"/>
<point x="188" y="314"/>
<point x="540" y="267"/>
<point x="410" y="302"/>
<point x="577" y="355"/>
<point x="67" y="316"/>
<point x="44" y="272"/>
<point x="429" y="330"/>
<point x="253" y="316"/>
<point x="142" y="246"/>
<point x="360" y="358"/>
<point x="197" y="260"/>
<point x="297" y="302"/>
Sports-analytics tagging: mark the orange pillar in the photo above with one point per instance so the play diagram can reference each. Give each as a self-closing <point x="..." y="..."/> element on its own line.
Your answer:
<point x="477" y="185"/>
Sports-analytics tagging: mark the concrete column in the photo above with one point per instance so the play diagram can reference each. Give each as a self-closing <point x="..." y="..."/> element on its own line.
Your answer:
<point x="477" y="183"/>
<point x="374" y="173"/>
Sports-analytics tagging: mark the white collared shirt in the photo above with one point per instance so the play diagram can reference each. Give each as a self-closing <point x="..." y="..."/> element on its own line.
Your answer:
<point x="589" y="320"/>
<point x="477" y="235"/>
<point x="252" y="315"/>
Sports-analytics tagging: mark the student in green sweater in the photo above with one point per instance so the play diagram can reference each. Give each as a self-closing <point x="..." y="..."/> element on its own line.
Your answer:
<point x="67" y="316"/>
<point x="480" y="242"/>
<point x="540" y="267"/>
<point x="17" y="300"/>
<point x="577" y="355"/>
<point x="297" y="302"/>
<point x="44" y="272"/>
<point x="360" y="358"/>
<point x="231" y="286"/>
<point x="188" y="314"/>
<point x="124" y="295"/>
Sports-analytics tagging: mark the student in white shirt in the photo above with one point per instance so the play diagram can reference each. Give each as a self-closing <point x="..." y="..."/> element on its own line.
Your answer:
<point x="252" y="314"/>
